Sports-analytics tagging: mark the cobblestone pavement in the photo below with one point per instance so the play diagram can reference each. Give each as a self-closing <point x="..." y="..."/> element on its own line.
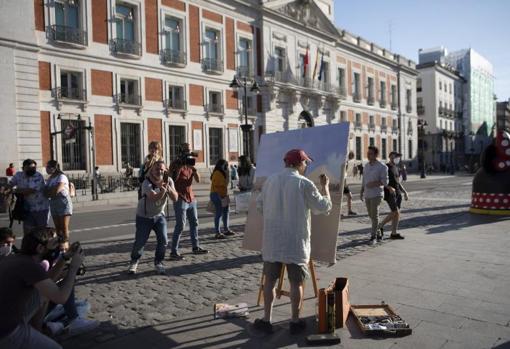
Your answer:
<point x="125" y="303"/>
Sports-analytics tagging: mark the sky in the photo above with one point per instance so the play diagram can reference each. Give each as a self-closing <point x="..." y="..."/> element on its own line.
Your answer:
<point x="483" y="25"/>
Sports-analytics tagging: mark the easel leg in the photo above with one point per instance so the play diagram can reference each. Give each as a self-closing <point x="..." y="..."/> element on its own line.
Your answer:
<point x="261" y="289"/>
<point x="314" y="278"/>
<point x="280" y="283"/>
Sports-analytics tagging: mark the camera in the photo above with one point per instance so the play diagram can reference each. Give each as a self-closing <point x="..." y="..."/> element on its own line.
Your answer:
<point x="188" y="158"/>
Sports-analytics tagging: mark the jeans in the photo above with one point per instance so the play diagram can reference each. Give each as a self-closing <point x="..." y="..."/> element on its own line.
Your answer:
<point x="373" y="212"/>
<point x="35" y="219"/>
<point x="221" y="212"/>
<point x="143" y="230"/>
<point x="185" y="210"/>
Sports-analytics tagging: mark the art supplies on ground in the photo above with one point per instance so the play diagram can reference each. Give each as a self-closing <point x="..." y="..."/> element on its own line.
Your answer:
<point x="380" y="320"/>
<point x="224" y="311"/>
<point x="333" y="306"/>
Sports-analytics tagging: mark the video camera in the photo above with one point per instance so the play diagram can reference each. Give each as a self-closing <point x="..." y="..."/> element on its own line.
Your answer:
<point x="188" y="158"/>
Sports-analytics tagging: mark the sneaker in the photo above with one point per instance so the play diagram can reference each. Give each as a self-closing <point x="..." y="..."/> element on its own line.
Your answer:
<point x="160" y="268"/>
<point x="199" y="250"/>
<point x="82" y="308"/>
<point x="79" y="326"/>
<point x="229" y="233"/>
<point x="55" y="328"/>
<point x="396" y="236"/>
<point x="219" y="236"/>
<point x="297" y="327"/>
<point x="380" y="233"/>
<point x="352" y="213"/>
<point x="373" y="241"/>
<point x="174" y="256"/>
<point x="263" y="326"/>
<point x="132" y="267"/>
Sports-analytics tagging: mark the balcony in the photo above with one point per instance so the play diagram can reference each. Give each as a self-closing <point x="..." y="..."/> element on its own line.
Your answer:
<point x="70" y="96"/>
<point x="409" y="109"/>
<point x="340" y="90"/>
<point x="128" y="99"/>
<point x="370" y="100"/>
<point x="177" y="105"/>
<point x="356" y="97"/>
<point x="65" y="34"/>
<point x="244" y="71"/>
<point x="215" y="109"/>
<point x="395" y="129"/>
<point x="420" y="109"/>
<point x="371" y="126"/>
<point x="384" y="128"/>
<point x="174" y="57"/>
<point x="440" y="111"/>
<point x="357" y="125"/>
<point x="393" y="105"/>
<point x="305" y="82"/>
<point x="212" y="66"/>
<point x="126" y="47"/>
<point x="324" y="86"/>
<point x="382" y="103"/>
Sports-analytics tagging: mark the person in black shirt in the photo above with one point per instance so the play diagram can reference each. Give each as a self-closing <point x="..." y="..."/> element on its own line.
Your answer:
<point x="393" y="196"/>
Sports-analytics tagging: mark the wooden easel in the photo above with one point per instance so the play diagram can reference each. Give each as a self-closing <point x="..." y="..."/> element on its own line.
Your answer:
<point x="279" y="288"/>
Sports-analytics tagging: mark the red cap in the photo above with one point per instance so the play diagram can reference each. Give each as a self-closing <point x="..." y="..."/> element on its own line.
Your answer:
<point x="295" y="157"/>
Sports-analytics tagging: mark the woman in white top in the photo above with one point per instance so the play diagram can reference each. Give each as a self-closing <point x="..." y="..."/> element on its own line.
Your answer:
<point x="61" y="206"/>
<point x="246" y="172"/>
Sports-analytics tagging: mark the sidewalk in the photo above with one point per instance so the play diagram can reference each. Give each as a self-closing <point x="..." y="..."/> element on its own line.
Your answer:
<point x="450" y="281"/>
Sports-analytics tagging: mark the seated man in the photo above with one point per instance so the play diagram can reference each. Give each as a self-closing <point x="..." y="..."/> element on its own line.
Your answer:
<point x="23" y="284"/>
<point x="7" y="240"/>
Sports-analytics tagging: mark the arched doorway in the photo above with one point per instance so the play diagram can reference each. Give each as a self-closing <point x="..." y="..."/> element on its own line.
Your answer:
<point x="307" y="117"/>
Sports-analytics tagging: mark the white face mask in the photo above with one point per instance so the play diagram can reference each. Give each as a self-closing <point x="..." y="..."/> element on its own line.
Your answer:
<point x="396" y="161"/>
<point x="5" y="250"/>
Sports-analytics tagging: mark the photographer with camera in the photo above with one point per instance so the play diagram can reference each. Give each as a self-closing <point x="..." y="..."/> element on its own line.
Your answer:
<point x="24" y="284"/>
<point x="150" y="215"/>
<point x="184" y="172"/>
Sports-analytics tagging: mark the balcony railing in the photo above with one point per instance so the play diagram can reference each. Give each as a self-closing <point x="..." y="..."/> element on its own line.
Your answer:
<point x="123" y="46"/>
<point x="420" y="109"/>
<point x="67" y="34"/>
<point x="212" y="65"/>
<point x="173" y="57"/>
<point x="393" y="105"/>
<point x="305" y="82"/>
<point x="357" y="125"/>
<point x="69" y="93"/>
<point x="371" y="126"/>
<point x="384" y="128"/>
<point x="341" y="91"/>
<point x="128" y="99"/>
<point x="356" y="97"/>
<point x="324" y="86"/>
<point x="409" y="109"/>
<point x="215" y="108"/>
<point x="440" y="110"/>
<point x="244" y="71"/>
<point x="382" y="103"/>
<point x="177" y="104"/>
<point x="370" y="100"/>
<point x="395" y="129"/>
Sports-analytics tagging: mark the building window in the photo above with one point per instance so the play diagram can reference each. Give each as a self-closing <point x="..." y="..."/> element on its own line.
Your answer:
<point x="382" y="95"/>
<point x="440" y="85"/>
<point x="357" y="121"/>
<point x="74" y="146"/>
<point x="450" y="88"/>
<point x="371" y="97"/>
<point x="383" y="123"/>
<point x="302" y="66"/>
<point x="371" y="141"/>
<point x="129" y="93"/>
<point x="394" y="145"/>
<point x="176" y="98"/>
<point x="371" y="123"/>
<point x="245" y="64"/>
<point x="418" y="85"/>
<point x="409" y="100"/>
<point x="212" y="57"/>
<point x="215" y="102"/>
<point x="173" y="52"/>
<point x="130" y="144"/>
<point x="359" y="150"/>
<point x="343" y="116"/>
<point x="176" y="137"/>
<point x="215" y="145"/>
<point x="325" y="73"/>
<point x="125" y="24"/>
<point x="410" y="149"/>
<point x="383" y="148"/>
<point x="341" y="81"/>
<point x="393" y="97"/>
<point x="279" y="58"/>
<point x="71" y="85"/>
<point x="357" y="88"/>
<point x="68" y="27"/>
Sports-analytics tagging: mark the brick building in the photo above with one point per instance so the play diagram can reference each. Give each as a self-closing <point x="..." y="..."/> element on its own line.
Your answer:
<point x="144" y="70"/>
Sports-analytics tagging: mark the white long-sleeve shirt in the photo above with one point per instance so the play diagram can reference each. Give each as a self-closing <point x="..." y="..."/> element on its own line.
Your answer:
<point x="372" y="173"/>
<point x="286" y="202"/>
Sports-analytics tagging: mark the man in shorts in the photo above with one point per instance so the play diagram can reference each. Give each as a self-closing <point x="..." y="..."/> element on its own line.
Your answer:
<point x="393" y="198"/>
<point x="286" y="203"/>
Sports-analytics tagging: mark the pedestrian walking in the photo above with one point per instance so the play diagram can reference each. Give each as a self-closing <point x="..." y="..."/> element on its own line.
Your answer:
<point x="393" y="196"/>
<point x="347" y="190"/>
<point x="246" y="173"/>
<point x="403" y="172"/>
<point x="184" y="173"/>
<point x="375" y="178"/>
<point x="360" y="170"/>
<point x="233" y="176"/>
<point x="220" y="199"/>
<point x="29" y="185"/>
<point x="61" y="206"/>
<point x="10" y="171"/>
<point x="157" y="188"/>
<point x="286" y="203"/>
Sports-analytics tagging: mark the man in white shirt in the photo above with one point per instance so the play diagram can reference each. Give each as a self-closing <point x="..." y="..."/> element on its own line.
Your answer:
<point x="286" y="203"/>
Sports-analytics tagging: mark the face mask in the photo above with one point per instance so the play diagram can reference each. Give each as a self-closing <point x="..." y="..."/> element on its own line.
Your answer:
<point x="396" y="161"/>
<point x="30" y="172"/>
<point x="5" y="250"/>
<point x="50" y="171"/>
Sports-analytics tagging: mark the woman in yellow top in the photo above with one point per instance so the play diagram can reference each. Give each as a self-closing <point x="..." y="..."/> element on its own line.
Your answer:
<point x="220" y="199"/>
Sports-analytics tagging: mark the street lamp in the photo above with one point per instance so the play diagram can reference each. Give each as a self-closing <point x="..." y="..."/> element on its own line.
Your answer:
<point x="246" y="128"/>
<point x="421" y="125"/>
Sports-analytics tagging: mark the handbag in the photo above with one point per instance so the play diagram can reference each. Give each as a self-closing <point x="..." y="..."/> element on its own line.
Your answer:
<point x="225" y="201"/>
<point x="18" y="213"/>
<point x="210" y="207"/>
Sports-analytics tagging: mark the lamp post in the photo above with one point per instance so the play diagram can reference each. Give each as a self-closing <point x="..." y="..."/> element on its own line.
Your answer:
<point x="421" y="127"/>
<point x="236" y="84"/>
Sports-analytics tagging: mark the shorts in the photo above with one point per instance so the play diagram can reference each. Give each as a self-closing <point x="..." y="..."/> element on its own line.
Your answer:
<point x="296" y="273"/>
<point x="61" y="206"/>
<point x="347" y="190"/>
<point x="394" y="201"/>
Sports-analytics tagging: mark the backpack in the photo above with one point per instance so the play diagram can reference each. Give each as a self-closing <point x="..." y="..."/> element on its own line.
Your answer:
<point x="18" y="212"/>
<point x="72" y="190"/>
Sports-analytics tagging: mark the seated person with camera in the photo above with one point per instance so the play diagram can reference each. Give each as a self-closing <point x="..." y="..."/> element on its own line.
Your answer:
<point x="183" y="172"/>
<point x="25" y="285"/>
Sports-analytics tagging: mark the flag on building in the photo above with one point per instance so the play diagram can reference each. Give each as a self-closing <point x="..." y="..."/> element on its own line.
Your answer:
<point x="321" y="70"/>
<point x="316" y="62"/>
<point x="305" y="63"/>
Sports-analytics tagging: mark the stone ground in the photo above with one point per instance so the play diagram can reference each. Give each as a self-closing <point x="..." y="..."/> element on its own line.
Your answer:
<point x="125" y="304"/>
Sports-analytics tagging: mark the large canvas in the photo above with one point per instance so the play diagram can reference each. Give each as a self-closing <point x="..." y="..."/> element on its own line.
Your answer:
<point x="327" y="146"/>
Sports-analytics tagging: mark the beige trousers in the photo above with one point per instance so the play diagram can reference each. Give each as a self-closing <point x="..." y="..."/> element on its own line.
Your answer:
<point x="373" y="212"/>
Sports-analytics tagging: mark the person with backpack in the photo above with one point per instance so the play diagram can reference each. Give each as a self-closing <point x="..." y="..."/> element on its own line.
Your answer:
<point x="61" y="206"/>
<point x="32" y="207"/>
<point x="157" y="188"/>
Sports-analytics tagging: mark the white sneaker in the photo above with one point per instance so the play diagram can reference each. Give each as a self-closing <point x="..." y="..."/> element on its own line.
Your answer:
<point x="160" y="268"/>
<point x="79" y="326"/>
<point x="82" y="308"/>
<point x="55" y="327"/>
<point x="132" y="267"/>
<point x="373" y="241"/>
